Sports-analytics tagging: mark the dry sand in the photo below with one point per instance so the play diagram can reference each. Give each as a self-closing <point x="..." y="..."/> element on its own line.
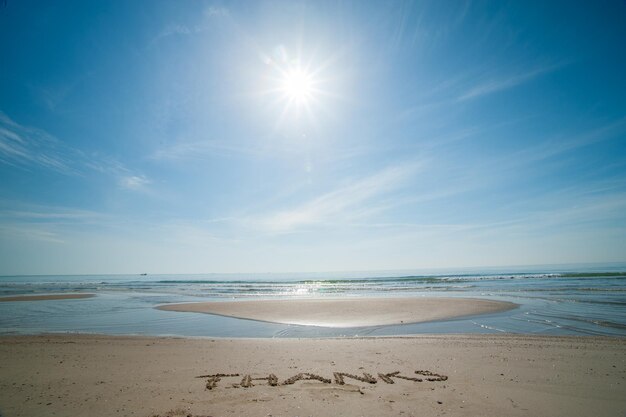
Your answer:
<point x="351" y="312"/>
<point x="71" y="375"/>
<point x="46" y="297"/>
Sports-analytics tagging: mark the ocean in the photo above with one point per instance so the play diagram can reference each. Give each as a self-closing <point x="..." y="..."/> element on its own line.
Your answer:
<point x="553" y="300"/>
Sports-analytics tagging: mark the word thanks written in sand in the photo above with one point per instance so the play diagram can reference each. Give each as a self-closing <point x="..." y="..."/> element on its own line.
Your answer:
<point x="272" y="380"/>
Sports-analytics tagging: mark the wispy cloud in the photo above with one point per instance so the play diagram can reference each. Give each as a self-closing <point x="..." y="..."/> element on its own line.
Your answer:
<point x="32" y="232"/>
<point x="28" y="147"/>
<point x="186" y="232"/>
<point x="268" y="147"/>
<point x="56" y="214"/>
<point x="202" y="149"/>
<point x="209" y="13"/>
<point x="593" y="213"/>
<point x="504" y="83"/>
<point x="134" y="182"/>
<point x="174" y="29"/>
<point x="216" y="11"/>
<point x="566" y="143"/>
<point x="457" y="89"/>
<point x="356" y="199"/>
<point x="42" y="222"/>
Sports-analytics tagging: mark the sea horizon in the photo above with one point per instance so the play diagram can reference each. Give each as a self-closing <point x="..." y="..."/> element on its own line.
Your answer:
<point x="392" y="272"/>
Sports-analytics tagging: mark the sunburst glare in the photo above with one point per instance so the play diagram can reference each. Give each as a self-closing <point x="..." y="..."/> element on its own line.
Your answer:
<point x="297" y="85"/>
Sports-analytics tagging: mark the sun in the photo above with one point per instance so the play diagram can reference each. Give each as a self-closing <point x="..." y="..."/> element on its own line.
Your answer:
<point x="297" y="85"/>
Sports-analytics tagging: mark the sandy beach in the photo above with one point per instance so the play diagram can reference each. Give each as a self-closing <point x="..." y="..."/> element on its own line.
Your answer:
<point x="347" y="312"/>
<point x="70" y="375"/>
<point x="44" y="297"/>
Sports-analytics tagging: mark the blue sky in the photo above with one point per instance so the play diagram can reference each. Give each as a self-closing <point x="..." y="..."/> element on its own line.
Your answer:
<point x="160" y="137"/>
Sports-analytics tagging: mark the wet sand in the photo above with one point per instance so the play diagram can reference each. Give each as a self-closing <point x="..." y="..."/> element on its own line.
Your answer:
<point x="43" y="297"/>
<point x="342" y="312"/>
<point x="486" y="375"/>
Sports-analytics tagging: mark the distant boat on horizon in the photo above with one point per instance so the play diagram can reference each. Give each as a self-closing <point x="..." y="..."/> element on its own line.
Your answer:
<point x="143" y="274"/>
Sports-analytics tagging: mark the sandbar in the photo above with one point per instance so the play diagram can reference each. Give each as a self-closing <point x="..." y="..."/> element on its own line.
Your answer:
<point x="347" y="312"/>
<point x="487" y="375"/>
<point x="44" y="297"/>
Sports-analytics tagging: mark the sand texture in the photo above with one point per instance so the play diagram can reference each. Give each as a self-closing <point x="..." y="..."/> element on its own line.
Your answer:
<point x="342" y="312"/>
<point x="71" y="375"/>
<point x="44" y="297"/>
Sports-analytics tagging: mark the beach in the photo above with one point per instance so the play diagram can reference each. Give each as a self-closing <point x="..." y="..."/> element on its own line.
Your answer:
<point x="347" y="312"/>
<point x="454" y="345"/>
<point x="489" y="375"/>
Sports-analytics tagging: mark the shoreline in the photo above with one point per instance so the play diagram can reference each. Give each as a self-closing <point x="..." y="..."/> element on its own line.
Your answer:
<point x="347" y="312"/>
<point x="490" y="375"/>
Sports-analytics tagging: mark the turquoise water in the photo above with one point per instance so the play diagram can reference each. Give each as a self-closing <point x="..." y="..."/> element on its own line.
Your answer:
<point x="556" y="300"/>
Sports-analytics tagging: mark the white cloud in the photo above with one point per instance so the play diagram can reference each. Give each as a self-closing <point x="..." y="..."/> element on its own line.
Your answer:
<point x="44" y="223"/>
<point x="134" y="182"/>
<point x="26" y="147"/>
<point x="175" y="30"/>
<point x="202" y="149"/>
<point x="350" y="201"/>
<point x="216" y="11"/>
<point x="550" y="148"/>
<point x="32" y="232"/>
<point x="209" y="13"/>
<point x="500" y="84"/>
<point x="40" y="214"/>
